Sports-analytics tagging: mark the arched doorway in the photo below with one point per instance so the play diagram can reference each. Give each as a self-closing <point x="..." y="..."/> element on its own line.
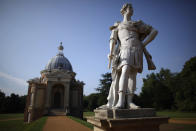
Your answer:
<point x="58" y="96"/>
<point x="57" y="100"/>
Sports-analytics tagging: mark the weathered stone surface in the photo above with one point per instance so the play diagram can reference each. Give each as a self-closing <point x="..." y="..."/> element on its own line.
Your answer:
<point x="127" y="124"/>
<point x="142" y="119"/>
<point x="124" y="113"/>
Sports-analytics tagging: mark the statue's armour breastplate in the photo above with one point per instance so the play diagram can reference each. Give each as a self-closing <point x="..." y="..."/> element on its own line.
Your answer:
<point x="131" y="28"/>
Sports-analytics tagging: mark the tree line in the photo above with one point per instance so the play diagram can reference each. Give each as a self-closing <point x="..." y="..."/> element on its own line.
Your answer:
<point x="164" y="90"/>
<point x="12" y="104"/>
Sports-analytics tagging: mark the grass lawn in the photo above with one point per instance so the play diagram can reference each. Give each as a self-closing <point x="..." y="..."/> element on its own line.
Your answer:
<point x="19" y="125"/>
<point x="176" y="114"/>
<point x="186" y="128"/>
<point x="37" y="125"/>
<point x="85" y="114"/>
<point x="11" y="116"/>
<point x="81" y="122"/>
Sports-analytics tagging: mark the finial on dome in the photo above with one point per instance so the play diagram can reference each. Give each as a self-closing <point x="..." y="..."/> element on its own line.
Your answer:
<point x="61" y="46"/>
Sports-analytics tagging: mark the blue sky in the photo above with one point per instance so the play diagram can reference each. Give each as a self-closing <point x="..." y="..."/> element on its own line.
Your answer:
<point x="30" y="32"/>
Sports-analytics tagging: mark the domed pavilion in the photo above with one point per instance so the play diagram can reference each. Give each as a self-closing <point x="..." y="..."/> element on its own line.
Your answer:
<point x="56" y="92"/>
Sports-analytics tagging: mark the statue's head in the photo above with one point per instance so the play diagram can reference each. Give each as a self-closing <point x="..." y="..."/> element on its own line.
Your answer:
<point x="127" y="9"/>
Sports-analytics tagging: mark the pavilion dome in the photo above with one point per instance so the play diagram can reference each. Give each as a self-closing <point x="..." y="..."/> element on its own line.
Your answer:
<point x="59" y="61"/>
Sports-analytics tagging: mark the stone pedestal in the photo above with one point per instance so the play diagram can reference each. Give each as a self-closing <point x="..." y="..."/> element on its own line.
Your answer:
<point x="124" y="113"/>
<point x="126" y="120"/>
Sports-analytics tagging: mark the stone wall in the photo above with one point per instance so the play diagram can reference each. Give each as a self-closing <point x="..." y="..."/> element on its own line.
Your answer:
<point x="27" y="104"/>
<point x="76" y="98"/>
<point x="35" y="102"/>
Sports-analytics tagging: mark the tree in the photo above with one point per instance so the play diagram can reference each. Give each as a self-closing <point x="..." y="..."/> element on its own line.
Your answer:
<point x="92" y="101"/>
<point x="2" y="101"/>
<point x="163" y="90"/>
<point x="12" y="104"/>
<point x="104" y="87"/>
<point x="95" y="100"/>
<point x="104" y="84"/>
<point x="156" y="90"/>
<point x="85" y="103"/>
<point x="166" y="90"/>
<point x="186" y="91"/>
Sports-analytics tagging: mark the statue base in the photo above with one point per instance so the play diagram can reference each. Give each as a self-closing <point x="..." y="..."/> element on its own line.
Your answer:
<point x="124" y="113"/>
<point x="143" y="119"/>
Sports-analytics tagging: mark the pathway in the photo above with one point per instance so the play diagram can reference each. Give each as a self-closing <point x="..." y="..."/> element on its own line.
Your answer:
<point x="183" y="121"/>
<point x="63" y="123"/>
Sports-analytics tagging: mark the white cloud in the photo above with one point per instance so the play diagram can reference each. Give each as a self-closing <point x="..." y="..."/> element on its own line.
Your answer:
<point x="14" y="79"/>
<point x="10" y="84"/>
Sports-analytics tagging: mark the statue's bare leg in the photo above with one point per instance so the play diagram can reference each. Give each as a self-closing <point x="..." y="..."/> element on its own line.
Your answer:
<point x="123" y="85"/>
<point x="130" y="90"/>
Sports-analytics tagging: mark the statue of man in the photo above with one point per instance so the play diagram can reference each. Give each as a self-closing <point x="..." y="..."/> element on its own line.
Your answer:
<point x="127" y="45"/>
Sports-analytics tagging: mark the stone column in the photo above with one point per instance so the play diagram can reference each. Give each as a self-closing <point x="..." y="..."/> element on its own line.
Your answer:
<point x="32" y="95"/>
<point x="32" y="102"/>
<point x="65" y="93"/>
<point x="66" y="97"/>
<point x="48" y="96"/>
<point x="29" y="117"/>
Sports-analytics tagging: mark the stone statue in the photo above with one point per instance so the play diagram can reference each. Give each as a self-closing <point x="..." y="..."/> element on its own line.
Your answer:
<point x="127" y="46"/>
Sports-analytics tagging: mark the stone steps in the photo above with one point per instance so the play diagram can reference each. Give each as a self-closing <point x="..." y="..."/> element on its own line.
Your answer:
<point x="57" y="112"/>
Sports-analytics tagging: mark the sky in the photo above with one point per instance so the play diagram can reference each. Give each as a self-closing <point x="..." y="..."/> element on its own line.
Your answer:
<point x="31" y="30"/>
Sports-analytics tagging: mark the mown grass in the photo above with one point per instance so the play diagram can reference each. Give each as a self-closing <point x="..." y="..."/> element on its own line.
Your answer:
<point x="85" y="114"/>
<point x="176" y="114"/>
<point x="81" y="122"/>
<point x="37" y="125"/>
<point x="11" y="116"/>
<point x="12" y="125"/>
<point x="19" y="125"/>
<point x="187" y="116"/>
<point x="181" y="127"/>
